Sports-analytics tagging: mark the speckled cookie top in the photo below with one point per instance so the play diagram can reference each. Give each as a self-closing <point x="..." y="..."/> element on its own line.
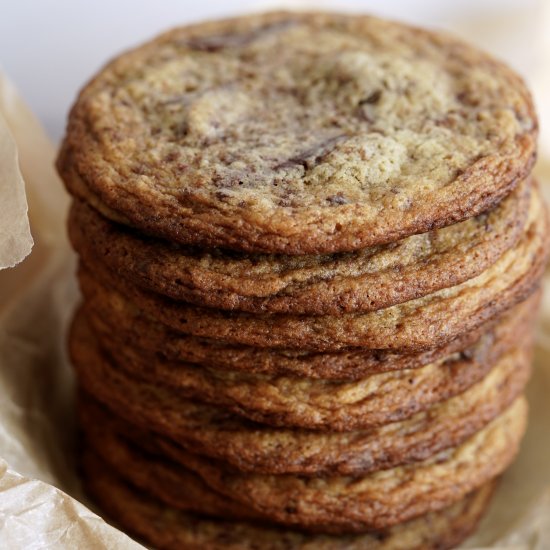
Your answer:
<point x="299" y="133"/>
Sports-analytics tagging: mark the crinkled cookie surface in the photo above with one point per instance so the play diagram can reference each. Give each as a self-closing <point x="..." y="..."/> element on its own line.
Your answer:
<point x="298" y="133"/>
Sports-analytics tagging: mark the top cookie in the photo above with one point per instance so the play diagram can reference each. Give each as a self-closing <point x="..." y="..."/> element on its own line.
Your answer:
<point x="298" y="133"/>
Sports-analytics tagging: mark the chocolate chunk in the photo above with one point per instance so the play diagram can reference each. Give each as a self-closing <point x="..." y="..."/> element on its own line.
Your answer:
<point x="221" y="41"/>
<point x="372" y="99"/>
<point x="221" y="196"/>
<point x="313" y="155"/>
<point x="466" y="354"/>
<point x="467" y="98"/>
<point x="172" y="156"/>
<point x="337" y="199"/>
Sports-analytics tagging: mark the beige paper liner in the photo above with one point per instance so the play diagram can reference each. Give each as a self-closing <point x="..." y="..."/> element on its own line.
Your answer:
<point x="15" y="236"/>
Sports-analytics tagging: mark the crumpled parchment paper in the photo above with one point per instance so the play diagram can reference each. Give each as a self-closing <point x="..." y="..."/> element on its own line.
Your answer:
<point x="37" y="471"/>
<point x="15" y="236"/>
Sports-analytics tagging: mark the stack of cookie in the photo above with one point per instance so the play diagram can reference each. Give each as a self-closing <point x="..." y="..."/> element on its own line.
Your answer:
<point x="310" y="253"/>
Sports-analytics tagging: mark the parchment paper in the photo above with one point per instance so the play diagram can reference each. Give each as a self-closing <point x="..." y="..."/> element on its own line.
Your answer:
<point x="37" y="472"/>
<point x="15" y="237"/>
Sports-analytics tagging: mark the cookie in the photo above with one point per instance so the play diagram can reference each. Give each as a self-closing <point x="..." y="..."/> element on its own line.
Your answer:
<point x="319" y="404"/>
<point x="134" y="330"/>
<point x="251" y="447"/>
<point x="298" y="133"/>
<point x="378" y="500"/>
<point x="310" y="257"/>
<point x="169" y="529"/>
<point x="419" y="324"/>
<point x="159" y="475"/>
<point x="365" y="280"/>
<point x="149" y="470"/>
<point x="135" y="457"/>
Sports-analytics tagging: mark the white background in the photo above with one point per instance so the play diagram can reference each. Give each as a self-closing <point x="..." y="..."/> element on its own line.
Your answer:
<point x="49" y="48"/>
